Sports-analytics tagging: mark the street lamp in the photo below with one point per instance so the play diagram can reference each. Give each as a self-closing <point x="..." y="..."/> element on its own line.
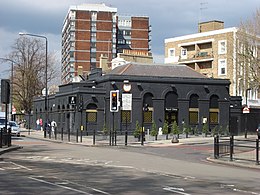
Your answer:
<point x="248" y="89"/>
<point x="12" y="85"/>
<point x="46" y="76"/>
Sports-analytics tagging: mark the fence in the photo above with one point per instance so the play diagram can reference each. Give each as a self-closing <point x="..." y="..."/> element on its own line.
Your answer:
<point x="118" y="137"/>
<point x="236" y="149"/>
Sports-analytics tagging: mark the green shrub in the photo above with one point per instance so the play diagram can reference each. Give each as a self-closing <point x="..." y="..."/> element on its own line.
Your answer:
<point x="154" y="131"/>
<point x="138" y="129"/>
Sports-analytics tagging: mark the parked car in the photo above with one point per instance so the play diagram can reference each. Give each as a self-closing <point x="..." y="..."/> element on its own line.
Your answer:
<point x="15" y="129"/>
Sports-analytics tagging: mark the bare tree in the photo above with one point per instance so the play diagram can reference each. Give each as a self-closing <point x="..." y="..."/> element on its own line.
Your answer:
<point x="29" y="71"/>
<point x="248" y="52"/>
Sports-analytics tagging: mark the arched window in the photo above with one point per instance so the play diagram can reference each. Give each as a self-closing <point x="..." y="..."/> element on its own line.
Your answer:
<point x="171" y="100"/>
<point x="91" y="113"/>
<point x="214" y="110"/>
<point x="194" y="109"/>
<point x="148" y="101"/>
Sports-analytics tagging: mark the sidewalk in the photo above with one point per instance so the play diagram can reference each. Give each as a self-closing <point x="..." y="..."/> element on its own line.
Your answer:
<point x="198" y="140"/>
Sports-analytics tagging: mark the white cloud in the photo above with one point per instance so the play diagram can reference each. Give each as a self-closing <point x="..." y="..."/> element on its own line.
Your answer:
<point x="169" y="18"/>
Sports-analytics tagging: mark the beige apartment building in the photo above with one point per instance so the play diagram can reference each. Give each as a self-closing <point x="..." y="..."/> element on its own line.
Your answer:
<point x="213" y="51"/>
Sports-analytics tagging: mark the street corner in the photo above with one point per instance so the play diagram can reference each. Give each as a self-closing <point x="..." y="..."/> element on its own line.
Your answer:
<point x="10" y="149"/>
<point x="234" y="162"/>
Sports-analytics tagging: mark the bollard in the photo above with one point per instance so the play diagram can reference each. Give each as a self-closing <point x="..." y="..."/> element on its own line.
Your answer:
<point x="257" y="151"/>
<point x="115" y="137"/>
<point x="125" y="138"/>
<point x="9" y="137"/>
<point x="94" y="137"/>
<point x="231" y="147"/>
<point x="77" y="135"/>
<point x="62" y="133"/>
<point x="216" y="145"/>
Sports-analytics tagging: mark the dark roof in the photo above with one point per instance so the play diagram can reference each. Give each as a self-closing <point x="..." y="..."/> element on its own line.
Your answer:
<point x="158" y="70"/>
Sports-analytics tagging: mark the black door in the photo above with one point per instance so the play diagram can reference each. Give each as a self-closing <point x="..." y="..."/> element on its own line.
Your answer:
<point x="170" y="117"/>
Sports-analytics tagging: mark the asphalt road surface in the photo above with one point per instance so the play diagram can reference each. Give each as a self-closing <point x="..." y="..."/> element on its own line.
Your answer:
<point x="43" y="167"/>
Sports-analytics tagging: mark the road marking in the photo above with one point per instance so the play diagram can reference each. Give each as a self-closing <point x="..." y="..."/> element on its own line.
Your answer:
<point x="58" y="185"/>
<point x="175" y="190"/>
<point x="66" y="182"/>
<point x="21" y="166"/>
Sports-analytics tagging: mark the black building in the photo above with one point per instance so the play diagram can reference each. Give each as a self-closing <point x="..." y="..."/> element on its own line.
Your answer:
<point x="171" y="93"/>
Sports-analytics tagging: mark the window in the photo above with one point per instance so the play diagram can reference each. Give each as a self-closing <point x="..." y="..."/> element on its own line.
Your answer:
<point x="193" y="116"/>
<point x="171" y="52"/>
<point x="94" y="16"/>
<point x="91" y="116"/>
<point x="214" y="110"/>
<point x="222" y="67"/>
<point x="222" y="47"/>
<point x="148" y="116"/>
<point x="126" y="116"/>
<point x="213" y="116"/>
<point x="194" y="109"/>
<point x="184" y="53"/>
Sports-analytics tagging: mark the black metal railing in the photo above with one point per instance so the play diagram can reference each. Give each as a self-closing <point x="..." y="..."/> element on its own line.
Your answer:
<point x="236" y="149"/>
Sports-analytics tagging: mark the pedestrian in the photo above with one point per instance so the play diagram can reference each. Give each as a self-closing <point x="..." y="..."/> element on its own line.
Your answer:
<point x="40" y="122"/>
<point x="53" y="126"/>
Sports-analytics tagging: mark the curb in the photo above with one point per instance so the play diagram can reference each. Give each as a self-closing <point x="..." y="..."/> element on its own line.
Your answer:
<point x="233" y="163"/>
<point x="9" y="149"/>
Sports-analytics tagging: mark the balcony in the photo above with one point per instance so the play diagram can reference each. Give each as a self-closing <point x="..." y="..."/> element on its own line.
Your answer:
<point x="197" y="57"/>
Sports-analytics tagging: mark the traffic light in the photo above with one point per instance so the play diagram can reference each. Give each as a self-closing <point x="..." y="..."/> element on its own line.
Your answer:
<point x="114" y="101"/>
<point x="5" y="91"/>
<point x="146" y="107"/>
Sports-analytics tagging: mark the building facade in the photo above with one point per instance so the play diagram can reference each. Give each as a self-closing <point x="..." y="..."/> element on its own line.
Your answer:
<point x="171" y="93"/>
<point x="94" y="30"/>
<point x="215" y="52"/>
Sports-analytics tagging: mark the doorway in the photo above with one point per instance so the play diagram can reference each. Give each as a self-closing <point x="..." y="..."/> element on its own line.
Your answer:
<point x="171" y="115"/>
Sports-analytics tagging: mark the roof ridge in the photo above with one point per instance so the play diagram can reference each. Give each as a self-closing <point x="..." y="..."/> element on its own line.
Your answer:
<point x="125" y="69"/>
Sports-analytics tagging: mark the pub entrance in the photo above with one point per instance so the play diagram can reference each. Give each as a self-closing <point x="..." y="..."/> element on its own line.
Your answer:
<point x="171" y="115"/>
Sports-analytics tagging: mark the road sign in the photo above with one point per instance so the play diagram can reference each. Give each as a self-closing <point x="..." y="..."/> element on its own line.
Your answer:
<point x="246" y="110"/>
<point x="126" y="101"/>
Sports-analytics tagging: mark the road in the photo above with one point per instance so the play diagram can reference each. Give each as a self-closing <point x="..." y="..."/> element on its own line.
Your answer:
<point x="43" y="167"/>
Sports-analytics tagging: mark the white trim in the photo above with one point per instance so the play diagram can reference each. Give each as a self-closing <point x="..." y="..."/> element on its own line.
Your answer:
<point x="169" y="52"/>
<point x="220" y="47"/>
<point x="184" y="53"/>
<point x="222" y="65"/>
<point x="196" y="42"/>
<point x="198" y="35"/>
<point x="197" y="60"/>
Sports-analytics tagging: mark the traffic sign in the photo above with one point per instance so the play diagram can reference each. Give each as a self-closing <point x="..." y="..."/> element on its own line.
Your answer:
<point x="126" y="101"/>
<point x="246" y="110"/>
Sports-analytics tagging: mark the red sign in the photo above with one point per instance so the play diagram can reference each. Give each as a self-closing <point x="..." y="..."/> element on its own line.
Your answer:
<point x="246" y="110"/>
<point x="13" y="110"/>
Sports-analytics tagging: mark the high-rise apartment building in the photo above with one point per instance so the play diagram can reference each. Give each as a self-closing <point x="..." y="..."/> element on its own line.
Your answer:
<point x="92" y="31"/>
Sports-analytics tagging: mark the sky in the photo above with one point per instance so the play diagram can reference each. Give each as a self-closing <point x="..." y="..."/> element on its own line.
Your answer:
<point x="168" y="18"/>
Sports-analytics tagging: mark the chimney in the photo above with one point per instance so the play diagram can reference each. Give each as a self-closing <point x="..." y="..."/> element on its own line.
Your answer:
<point x="210" y="26"/>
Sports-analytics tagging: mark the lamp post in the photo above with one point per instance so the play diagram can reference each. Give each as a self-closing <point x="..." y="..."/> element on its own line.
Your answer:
<point x="248" y="89"/>
<point x="46" y="76"/>
<point x="12" y="85"/>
